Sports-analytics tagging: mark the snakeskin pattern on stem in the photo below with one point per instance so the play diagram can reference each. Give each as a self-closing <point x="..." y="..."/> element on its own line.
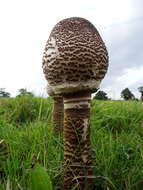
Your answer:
<point x="58" y="114"/>
<point x="77" y="147"/>
<point x="4" y="151"/>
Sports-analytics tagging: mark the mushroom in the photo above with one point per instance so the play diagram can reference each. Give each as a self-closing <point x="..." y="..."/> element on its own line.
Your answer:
<point x="57" y="113"/>
<point x="75" y="61"/>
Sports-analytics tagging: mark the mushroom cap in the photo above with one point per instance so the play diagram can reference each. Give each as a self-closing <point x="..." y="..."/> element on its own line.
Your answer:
<point x="75" y="57"/>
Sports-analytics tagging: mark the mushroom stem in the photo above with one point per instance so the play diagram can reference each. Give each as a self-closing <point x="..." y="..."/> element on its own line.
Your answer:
<point x="77" y="145"/>
<point x="57" y="114"/>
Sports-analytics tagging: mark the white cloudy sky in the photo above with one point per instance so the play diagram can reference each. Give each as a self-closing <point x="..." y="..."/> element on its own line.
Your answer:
<point x="25" y="26"/>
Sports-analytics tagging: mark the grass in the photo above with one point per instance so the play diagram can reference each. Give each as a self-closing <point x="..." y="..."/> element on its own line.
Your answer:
<point x="116" y="134"/>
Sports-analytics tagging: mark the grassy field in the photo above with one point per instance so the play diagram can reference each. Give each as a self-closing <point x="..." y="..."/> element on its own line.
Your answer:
<point x="27" y="138"/>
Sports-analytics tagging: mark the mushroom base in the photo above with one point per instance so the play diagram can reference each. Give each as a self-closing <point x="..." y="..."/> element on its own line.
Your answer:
<point x="77" y="146"/>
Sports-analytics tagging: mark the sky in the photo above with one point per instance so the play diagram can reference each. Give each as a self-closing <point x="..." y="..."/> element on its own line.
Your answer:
<point x="25" y="26"/>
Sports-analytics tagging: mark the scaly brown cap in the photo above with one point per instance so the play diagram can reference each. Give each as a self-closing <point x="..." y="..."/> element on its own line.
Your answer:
<point x="75" y="57"/>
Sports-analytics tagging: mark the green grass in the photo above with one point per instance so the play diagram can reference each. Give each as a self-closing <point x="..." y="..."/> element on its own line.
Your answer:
<point x="116" y="134"/>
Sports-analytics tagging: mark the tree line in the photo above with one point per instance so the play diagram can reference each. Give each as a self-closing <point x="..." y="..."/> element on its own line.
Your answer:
<point x="21" y="92"/>
<point x="126" y="94"/>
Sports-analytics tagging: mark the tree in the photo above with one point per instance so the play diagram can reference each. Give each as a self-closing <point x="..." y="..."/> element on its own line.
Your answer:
<point x="126" y="94"/>
<point x="101" y="95"/>
<point x="3" y="93"/>
<point x="141" y="91"/>
<point x="24" y="92"/>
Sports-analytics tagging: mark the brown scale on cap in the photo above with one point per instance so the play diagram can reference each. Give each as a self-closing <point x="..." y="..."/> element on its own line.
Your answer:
<point x="74" y="63"/>
<point x="75" y="57"/>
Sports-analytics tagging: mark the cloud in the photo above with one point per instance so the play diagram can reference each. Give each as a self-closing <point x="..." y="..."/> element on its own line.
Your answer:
<point x="130" y="78"/>
<point x="125" y="46"/>
<point x="26" y="25"/>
